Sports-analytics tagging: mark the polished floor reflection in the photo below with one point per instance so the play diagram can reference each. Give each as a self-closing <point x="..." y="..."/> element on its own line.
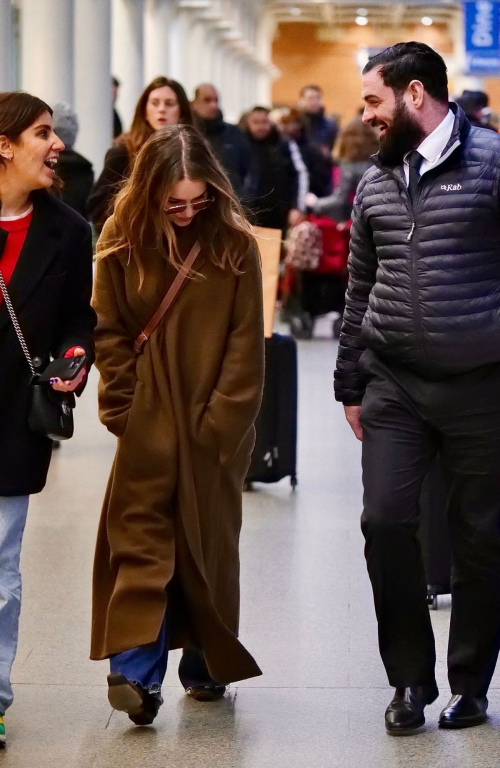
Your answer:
<point x="307" y="616"/>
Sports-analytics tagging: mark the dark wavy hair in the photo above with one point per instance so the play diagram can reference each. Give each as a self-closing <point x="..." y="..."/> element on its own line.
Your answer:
<point x="171" y="155"/>
<point x="140" y="130"/>
<point x="405" y="62"/>
<point x="19" y="110"/>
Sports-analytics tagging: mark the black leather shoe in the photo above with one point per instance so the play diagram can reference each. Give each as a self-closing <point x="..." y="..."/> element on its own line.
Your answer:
<point x="464" y="712"/>
<point x="405" y="713"/>
<point x="125" y="696"/>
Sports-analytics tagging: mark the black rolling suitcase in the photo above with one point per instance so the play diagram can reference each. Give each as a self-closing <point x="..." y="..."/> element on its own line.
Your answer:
<point x="434" y="535"/>
<point x="275" y="453"/>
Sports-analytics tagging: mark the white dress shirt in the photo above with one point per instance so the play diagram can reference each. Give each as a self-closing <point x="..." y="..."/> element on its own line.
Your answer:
<point x="433" y="146"/>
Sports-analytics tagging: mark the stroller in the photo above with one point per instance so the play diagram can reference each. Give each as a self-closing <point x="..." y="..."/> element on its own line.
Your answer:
<point x="316" y="273"/>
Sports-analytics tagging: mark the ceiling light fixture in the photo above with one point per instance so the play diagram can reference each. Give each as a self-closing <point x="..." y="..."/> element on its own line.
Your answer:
<point x="361" y="21"/>
<point x="296" y="11"/>
<point x="427" y="21"/>
<point x="362" y="12"/>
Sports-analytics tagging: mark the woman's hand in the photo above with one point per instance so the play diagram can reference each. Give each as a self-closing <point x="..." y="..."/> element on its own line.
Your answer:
<point x="71" y="386"/>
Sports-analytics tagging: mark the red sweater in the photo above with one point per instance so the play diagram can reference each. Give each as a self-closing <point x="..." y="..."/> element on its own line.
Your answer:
<point x="17" y="230"/>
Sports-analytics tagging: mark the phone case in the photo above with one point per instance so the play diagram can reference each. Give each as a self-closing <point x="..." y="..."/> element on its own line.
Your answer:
<point x="64" y="368"/>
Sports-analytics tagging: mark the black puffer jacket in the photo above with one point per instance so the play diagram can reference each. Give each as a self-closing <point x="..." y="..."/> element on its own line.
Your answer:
<point x="424" y="285"/>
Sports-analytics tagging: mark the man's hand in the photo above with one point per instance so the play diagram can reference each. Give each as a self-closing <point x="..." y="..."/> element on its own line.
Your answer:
<point x="353" y="416"/>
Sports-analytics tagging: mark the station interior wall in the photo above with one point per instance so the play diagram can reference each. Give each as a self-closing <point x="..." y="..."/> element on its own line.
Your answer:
<point x="308" y="53"/>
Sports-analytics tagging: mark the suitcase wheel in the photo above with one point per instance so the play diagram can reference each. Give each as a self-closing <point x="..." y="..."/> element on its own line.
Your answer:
<point x="432" y="602"/>
<point x="247" y="486"/>
<point x="294" y="482"/>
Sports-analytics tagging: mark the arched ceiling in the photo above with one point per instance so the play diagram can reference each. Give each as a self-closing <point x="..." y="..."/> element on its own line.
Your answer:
<point x="378" y="13"/>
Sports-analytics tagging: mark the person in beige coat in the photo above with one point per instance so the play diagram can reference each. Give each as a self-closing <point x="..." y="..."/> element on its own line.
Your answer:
<point x="166" y="570"/>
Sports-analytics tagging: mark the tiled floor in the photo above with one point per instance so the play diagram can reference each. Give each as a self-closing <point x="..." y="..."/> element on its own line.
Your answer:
<point x="307" y="616"/>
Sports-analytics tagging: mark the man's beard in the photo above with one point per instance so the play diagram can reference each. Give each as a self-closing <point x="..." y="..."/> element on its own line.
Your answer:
<point x="401" y="137"/>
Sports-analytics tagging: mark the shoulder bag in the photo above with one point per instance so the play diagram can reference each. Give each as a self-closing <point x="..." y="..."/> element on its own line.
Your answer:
<point x="50" y="413"/>
<point x="169" y="299"/>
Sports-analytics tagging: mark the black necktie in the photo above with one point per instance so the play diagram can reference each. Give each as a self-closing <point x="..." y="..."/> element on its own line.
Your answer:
<point x="415" y="161"/>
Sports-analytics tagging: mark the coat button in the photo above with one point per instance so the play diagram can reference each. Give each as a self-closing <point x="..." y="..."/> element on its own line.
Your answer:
<point x="36" y="362"/>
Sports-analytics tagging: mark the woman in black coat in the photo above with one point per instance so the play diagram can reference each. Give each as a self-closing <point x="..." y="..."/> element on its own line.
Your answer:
<point x="46" y="263"/>
<point x="164" y="102"/>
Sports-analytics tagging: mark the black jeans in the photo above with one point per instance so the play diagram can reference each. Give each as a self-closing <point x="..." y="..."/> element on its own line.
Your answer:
<point x="406" y="421"/>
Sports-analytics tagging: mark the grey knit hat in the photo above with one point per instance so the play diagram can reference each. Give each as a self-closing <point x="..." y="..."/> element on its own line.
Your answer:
<point x="66" y="123"/>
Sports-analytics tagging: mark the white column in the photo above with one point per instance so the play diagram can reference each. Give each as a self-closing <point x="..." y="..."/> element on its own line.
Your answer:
<point x="178" y="42"/>
<point x="127" y="54"/>
<point x="265" y="37"/>
<point x="216" y="63"/>
<point x="199" y="59"/>
<point x="226" y="82"/>
<point x="6" y="48"/>
<point x="238" y="87"/>
<point x="93" y="102"/>
<point x="160" y="15"/>
<point x="47" y="49"/>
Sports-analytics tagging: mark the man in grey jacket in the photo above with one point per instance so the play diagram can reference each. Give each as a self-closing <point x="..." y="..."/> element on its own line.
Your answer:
<point x="418" y="373"/>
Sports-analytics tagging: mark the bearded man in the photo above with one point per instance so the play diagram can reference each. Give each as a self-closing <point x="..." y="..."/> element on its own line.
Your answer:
<point x="418" y="372"/>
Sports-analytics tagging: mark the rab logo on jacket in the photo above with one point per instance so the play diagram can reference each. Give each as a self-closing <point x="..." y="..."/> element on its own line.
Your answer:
<point x="451" y="187"/>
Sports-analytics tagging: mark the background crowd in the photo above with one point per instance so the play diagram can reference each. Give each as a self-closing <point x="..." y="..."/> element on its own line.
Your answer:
<point x="294" y="169"/>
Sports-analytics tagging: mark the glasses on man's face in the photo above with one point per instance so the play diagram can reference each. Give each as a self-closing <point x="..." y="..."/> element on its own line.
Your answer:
<point x="199" y="206"/>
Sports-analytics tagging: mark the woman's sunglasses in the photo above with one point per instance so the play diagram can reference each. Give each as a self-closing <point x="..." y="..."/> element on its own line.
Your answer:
<point x="200" y="206"/>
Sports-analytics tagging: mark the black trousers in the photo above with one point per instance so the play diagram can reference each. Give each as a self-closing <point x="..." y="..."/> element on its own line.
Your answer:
<point x="406" y="421"/>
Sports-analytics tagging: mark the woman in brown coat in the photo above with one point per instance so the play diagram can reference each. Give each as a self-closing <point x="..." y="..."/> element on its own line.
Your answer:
<point x="167" y="563"/>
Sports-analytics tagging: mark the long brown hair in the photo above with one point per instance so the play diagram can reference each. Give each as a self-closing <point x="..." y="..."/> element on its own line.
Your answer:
<point x="171" y="155"/>
<point x="140" y="130"/>
<point x="358" y="141"/>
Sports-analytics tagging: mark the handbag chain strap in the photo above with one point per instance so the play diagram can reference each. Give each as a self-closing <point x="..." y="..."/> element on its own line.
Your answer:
<point x="15" y="323"/>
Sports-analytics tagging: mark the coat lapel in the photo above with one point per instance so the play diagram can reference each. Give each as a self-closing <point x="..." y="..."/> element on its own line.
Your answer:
<point x="40" y="247"/>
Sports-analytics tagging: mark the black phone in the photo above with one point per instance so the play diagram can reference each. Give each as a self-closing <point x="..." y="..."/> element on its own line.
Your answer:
<point x="63" y="368"/>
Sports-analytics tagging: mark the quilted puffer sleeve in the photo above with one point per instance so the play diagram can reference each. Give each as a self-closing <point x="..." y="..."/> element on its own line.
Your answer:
<point x="349" y="382"/>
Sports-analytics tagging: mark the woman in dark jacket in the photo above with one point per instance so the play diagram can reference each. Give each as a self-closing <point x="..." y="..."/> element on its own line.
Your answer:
<point x="46" y="263"/>
<point x="75" y="171"/>
<point x="313" y="168"/>
<point x="164" y="102"/>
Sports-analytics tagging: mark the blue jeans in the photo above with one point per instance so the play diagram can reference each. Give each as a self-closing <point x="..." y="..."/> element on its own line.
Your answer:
<point x="13" y="513"/>
<point x="147" y="665"/>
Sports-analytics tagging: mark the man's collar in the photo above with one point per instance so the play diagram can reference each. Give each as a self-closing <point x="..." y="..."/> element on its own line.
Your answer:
<point x="436" y="142"/>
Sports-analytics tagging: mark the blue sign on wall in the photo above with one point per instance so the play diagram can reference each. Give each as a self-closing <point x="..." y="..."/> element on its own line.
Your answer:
<point x="482" y="36"/>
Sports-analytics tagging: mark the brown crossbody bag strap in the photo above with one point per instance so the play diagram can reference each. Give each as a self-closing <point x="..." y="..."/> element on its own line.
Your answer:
<point x="169" y="299"/>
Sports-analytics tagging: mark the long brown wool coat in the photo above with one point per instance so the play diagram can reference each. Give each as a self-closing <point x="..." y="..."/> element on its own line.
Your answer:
<point x="184" y="413"/>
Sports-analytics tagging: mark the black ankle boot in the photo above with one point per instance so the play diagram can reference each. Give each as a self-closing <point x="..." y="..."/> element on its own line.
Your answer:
<point x="405" y="713"/>
<point x="464" y="712"/>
